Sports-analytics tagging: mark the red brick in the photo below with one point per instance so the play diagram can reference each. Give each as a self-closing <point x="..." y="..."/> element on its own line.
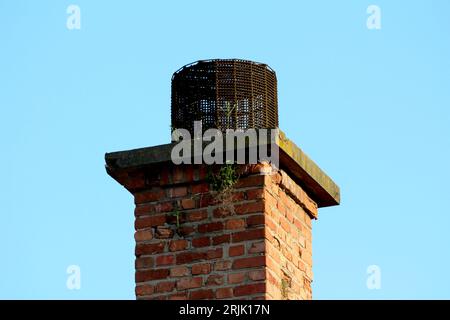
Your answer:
<point x="178" y="296"/>
<point x="250" y="181"/>
<point x="165" y="286"/>
<point x="149" y="275"/>
<point x="188" y="173"/>
<point x="276" y="178"/>
<point x="163" y="207"/>
<point x="200" y="188"/>
<point x="149" y="248"/>
<point x="234" y="224"/>
<point x="224" y="238"/>
<point x="238" y="196"/>
<point x="287" y="254"/>
<point x="206" y="200"/>
<point x="215" y="280"/>
<point x="201" y="242"/>
<point x="177" y="192"/>
<point x="185" y="231"/>
<point x="257" y="247"/>
<point x="222" y="265"/>
<point x="210" y="227"/>
<point x="249" y="262"/>
<point x="290" y="216"/>
<point x="285" y="225"/>
<point x="144" y="290"/>
<point x="254" y="194"/>
<point x="270" y="224"/>
<point x="236" y="278"/>
<point x="134" y="183"/>
<point x="249" y="289"/>
<point x="255" y="220"/>
<point x="145" y="262"/>
<point x="224" y="293"/>
<point x="214" y="253"/>
<point x="248" y="235"/>
<point x="188" y="257"/>
<point x="161" y="297"/>
<point x="149" y="221"/>
<point x="189" y="283"/>
<point x="259" y="168"/>
<point x="308" y="220"/>
<point x="165" y="260"/>
<point x="179" y="271"/>
<point x="188" y="204"/>
<point x="256" y="275"/>
<point x="251" y="207"/>
<point x="149" y="196"/>
<point x="176" y="218"/>
<point x="201" y="268"/>
<point x="281" y="205"/>
<point x="197" y="215"/>
<point x="201" y="294"/>
<point x="163" y="232"/>
<point x="143" y="235"/>
<point x="143" y="210"/>
<point x="177" y="174"/>
<point x="202" y="173"/>
<point x="159" y="207"/>
<point x="236" y="251"/>
<point x="178" y="245"/>
<point x="222" y="212"/>
<point x="164" y="176"/>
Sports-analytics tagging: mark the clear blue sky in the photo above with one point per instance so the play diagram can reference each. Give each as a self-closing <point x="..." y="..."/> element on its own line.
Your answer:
<point x="371" y="107"/>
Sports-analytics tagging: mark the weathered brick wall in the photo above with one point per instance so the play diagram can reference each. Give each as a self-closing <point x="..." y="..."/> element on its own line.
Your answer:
<point x="288" y="214"/>
<point x="191" y="245"/>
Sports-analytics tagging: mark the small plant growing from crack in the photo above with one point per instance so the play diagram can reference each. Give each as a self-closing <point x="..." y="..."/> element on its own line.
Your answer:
<point x="226" y="118"/>
<point x="177" y="215"/>
<point x="223" y="182"/>
<point x="225" y="179"/>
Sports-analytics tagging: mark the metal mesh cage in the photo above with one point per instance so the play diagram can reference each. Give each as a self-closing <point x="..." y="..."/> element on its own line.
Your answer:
<point x="224" y="94"/>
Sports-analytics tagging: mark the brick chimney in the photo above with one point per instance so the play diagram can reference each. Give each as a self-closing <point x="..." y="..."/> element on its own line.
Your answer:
<point x="252" y="242"/>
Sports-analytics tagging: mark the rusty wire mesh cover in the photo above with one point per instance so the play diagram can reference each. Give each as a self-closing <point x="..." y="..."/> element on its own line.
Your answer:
<point x="224" y="94"/>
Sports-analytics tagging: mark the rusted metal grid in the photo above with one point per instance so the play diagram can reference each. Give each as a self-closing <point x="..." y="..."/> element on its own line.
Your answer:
<point x="224" y="94"/>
